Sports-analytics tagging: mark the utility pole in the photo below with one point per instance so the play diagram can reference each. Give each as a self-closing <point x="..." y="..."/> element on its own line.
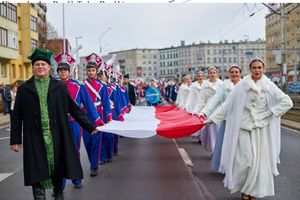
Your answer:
<point x="64" y="38"/>
<point x="282" y="46"/>
<point x="295" y="78"/>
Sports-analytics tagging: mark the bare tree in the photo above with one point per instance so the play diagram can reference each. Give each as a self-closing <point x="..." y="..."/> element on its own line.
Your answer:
<point x="51" y="32"/>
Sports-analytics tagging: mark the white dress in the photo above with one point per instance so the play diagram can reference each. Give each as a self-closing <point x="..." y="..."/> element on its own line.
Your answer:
<point x="183" y="93"/>
<point x="208" y="135"/>
<point x="251" y="147"/>
<point x="194" y="94"/>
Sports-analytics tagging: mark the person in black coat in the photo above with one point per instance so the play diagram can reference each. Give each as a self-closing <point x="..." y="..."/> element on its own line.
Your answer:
<point x="6" y="98"/>
<point x="29" y="117"/>
<point x="130" y="89"/>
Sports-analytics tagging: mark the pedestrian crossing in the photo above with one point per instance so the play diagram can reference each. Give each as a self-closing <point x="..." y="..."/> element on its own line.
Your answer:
<point x="4" y="176"/>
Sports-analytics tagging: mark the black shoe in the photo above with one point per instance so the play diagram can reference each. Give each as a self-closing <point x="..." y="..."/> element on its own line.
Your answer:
<point x="199" y="142"/>
<point x="78" y="186"/>
<point x="38" y="192"/>
<point x="59" y="196"/>
<point x="94" y="172"/>
<point x="110" y="160"/>
<point x="102" y="162"/>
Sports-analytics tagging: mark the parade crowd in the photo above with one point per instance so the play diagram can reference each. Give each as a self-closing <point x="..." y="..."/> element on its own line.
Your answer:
<point x="49" y="117"/>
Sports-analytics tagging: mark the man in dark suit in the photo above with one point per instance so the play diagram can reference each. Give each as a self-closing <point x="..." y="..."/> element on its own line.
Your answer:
<point x="41" y="112"/>
<point x="130" y="89"/>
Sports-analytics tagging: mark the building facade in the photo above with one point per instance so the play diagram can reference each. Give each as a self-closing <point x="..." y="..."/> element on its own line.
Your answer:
<point x="21" y="68"/>
<point x="9" y="45"/>
<point x="41" y="9"/>
<point x="274" y="60"/>
<point x="19" y="37"/>
<point x="138" y="63"/>
<point x="188" y="59"/>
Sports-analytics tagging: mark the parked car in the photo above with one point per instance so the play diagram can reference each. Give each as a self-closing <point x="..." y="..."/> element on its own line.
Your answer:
<point x="294" y="87"/>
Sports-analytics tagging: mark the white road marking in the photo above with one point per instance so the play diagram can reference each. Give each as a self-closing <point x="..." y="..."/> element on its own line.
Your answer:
<point x="4" y="176"/>
<point x="185" y="157"/>
<point x="4" y="138"/>
<point x="8" y="129"/>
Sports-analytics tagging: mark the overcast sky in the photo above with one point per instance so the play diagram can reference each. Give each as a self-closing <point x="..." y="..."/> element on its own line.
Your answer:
<point x="156" y="25"/>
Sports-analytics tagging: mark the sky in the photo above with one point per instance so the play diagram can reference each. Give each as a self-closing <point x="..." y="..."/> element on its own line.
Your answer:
<point x="161" y="25"/>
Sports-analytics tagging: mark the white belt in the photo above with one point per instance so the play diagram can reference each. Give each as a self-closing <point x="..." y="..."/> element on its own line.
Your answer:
<point x="97" y="103"/>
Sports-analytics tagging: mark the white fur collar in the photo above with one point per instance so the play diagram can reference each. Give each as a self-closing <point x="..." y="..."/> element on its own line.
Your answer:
<point x="197" y="85"/>
<point x="262" y="84"/>
<point x="214" y="86"/>
<point x="228" y="84"/>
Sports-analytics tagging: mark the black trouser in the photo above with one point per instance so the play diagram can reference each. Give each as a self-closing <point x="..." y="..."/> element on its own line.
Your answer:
<point x="39" y="192"/>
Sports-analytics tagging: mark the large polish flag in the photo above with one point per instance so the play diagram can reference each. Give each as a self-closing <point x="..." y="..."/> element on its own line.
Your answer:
<point x="146" y="121"/>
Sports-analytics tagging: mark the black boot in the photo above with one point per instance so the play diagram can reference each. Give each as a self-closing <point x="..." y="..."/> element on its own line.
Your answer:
<point x="58" y="188"/>
<point x="59" y="195"/>
<point x="38" y="192"/>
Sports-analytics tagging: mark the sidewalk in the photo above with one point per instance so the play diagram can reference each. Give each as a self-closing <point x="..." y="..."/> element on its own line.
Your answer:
<point x="4" y="119"/>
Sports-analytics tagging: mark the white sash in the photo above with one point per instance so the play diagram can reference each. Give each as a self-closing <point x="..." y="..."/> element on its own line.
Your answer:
<point x="92" y="89"/>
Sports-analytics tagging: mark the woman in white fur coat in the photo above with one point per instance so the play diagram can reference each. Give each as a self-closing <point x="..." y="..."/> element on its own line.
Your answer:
<point x="251" y="146"/>
<point x="194" y="92"/>
<point x="212" y="105"/>
<point x="184" y="91"/>
<point x="208" y="134"/>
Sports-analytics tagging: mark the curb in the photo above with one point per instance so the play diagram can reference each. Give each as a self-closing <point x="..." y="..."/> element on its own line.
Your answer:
<point x="290" y="124"/>
<point x="4" y="123"/>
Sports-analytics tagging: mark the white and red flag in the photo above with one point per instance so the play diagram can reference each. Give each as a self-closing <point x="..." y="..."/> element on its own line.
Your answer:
<point x="146" y="121"/>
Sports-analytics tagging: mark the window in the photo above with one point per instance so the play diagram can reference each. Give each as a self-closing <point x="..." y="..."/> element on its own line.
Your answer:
<point x="12" y="12"/>
<point x="13" y="41"/>
<point x="14" y="73"/>
<point x="9" y="11"/>
<point x="3" y="37"/>
<point x="3" y="9"/>
<point x="21" y="71"/>
<point x="3" y="70"/>
<point x="215" y="60"/>
<point x="33" y="23"/>
<point x="33" y="44"/>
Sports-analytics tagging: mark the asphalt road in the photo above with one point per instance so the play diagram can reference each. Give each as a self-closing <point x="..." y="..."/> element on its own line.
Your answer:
<point x="152" y="169"/>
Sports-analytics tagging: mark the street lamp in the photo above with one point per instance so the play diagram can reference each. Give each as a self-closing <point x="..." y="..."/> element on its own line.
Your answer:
<point x="77" y="57"/>
<point x="77" y="54"/>
<point x="103" y="33"/>
<point x="103" y="47"/>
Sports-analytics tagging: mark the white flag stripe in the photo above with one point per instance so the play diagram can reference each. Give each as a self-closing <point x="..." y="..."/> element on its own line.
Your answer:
<point x="139" y="123"/>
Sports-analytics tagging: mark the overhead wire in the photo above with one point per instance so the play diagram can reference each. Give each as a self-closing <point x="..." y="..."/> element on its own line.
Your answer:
<point x="233" y="16"/>
<point x="243" y="21"/>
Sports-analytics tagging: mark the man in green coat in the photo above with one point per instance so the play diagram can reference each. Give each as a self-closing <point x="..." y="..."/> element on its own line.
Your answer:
<point x="41" y="112"/>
